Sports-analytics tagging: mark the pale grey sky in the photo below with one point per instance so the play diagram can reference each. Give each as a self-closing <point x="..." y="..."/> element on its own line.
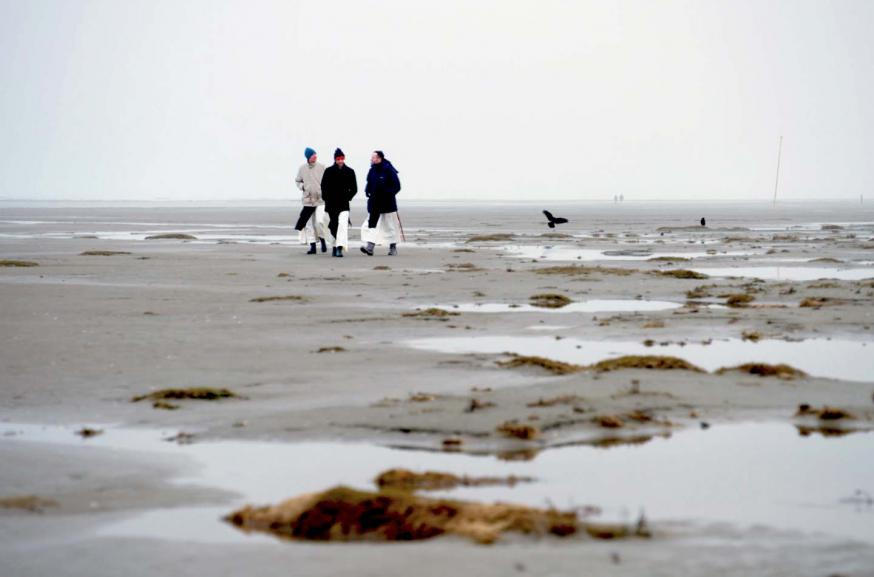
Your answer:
<point x="212" y="99"/>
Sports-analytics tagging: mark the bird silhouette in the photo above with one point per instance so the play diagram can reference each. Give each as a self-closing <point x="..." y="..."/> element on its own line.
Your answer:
<point x="703" y="222"/>
<point x="552" y="220"/>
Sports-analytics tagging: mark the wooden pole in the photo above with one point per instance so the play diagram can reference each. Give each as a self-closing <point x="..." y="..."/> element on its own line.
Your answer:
<point x="777" y="179"/>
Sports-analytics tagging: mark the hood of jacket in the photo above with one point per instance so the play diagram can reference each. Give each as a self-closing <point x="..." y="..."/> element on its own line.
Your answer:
<point x="386" y="165"/>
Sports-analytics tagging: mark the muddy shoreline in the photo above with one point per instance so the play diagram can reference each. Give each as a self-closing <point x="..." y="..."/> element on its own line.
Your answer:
<point x="85" y="333"/>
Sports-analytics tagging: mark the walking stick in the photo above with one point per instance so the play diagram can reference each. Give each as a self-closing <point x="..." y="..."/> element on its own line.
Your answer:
<point x="403" y="236"/>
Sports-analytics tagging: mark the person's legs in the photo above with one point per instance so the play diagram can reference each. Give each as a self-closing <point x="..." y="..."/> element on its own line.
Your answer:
<point x="305" y="214"/>
<point x="372" y="220"/>
<point x="320" y="224"/>
<point x="341" y="232"/>
<point x="333" y="222"/>
<point x="332" y="228"/>
<point x="389" y="224"/>
<point x="302" y="227"/>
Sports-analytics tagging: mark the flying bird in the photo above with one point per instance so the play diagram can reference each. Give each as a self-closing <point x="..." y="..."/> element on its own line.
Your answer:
<point x="552" y="220"/>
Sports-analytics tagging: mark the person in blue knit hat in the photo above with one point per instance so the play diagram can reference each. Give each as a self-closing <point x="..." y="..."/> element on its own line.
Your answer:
<point x="311" y="222"/>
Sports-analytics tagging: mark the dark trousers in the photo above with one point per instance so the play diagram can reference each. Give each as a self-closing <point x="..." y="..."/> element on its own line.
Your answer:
<point x="333" y="221"/>
<point x="306" y="213"/>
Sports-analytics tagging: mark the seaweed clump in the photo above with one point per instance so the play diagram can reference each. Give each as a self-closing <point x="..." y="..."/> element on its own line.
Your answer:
<point x="553" y="366"/>
<point x="553" y="401"/>
<point x="781" y="371"/>
<point x="575" y="270"/>
<point x="610" y="421"/>
<point x="432" y="313"/>
<point x="477" y="405"/>
<point x="164" y="405"/>
<point x="30" y="503"/>
<point x="668" y="259"/>
<point x="550" y="300"/>
<point x="171" y="236"/>
<point x="406" y="480"/>
<point x="296" y="298"/>
<point x="334" y="349"/>
<point x="103" y="252"/>
<point x="195" y="393"/>
<point x="652" y="362"/>
<point x="739" y="300"/>
<point x="18" y="263"/>
<point x="814" y="302"/>
<point x="498" y="237"/>
<point x="680" y="273"/>
<point x="699" y="292"/>
<point x="463" y="267"/>
<point x="618" y="421"/>
<point x="825" y="413"/>
<point x="518" y="430"/>
<point x="346" y="514"/>
<point x="827" y="259"/>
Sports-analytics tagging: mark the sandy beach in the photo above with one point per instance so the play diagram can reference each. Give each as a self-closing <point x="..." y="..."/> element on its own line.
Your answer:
<point x="351" y="372"/>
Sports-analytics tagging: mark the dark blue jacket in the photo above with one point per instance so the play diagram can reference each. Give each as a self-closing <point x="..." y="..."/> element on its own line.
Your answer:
<point x="382" y="186"/>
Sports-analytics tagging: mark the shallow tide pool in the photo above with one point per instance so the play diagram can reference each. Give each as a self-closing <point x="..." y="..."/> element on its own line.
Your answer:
<point x="746" y="475"/>
<point x="571" y="253"/>
<point x="789" y="273"/>
<point x="829" y="358"/>
<point x="589" y="306"/>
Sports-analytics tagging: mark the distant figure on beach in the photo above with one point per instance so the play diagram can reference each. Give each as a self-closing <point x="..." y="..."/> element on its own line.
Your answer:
<point x="311" y="222"/>
<point x="703" y="222"/>
<point x="383" y="185"/>
<point x="338" y="188"/>
<point x="551" y="221"/>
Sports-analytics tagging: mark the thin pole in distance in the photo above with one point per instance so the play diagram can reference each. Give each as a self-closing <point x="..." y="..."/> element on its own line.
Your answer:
<point x="777" y="179"/>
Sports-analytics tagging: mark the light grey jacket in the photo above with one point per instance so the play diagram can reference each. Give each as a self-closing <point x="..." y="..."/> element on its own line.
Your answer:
<point x="309" y="181"/>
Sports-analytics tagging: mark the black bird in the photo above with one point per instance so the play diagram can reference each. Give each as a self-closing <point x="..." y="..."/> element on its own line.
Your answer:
<point x="703" y="222"/>
<point x="552" y="221"/>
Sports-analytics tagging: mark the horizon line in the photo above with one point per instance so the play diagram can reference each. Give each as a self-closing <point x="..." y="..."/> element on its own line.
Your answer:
<point x="284" y="200"/>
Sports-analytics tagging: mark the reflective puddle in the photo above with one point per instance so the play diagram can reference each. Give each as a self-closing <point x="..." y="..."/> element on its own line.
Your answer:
<point x="208" y="236"/>
<point x="589" y="306"/>
<point x="570" y="253"/>
<point x="836" y="359"/>
<point x="747" y="475"/>
<point x="548" y="327"/>
<point x="793" y="273"/>
<point x="816" y="226"/>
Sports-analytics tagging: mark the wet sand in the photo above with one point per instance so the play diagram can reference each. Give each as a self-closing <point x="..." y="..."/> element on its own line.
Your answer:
<point x="83" y="334"/>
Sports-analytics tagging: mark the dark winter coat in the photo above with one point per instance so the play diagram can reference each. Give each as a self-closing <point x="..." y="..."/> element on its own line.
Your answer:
<point x="339" y="186"/>
<point x="382" y="187"/>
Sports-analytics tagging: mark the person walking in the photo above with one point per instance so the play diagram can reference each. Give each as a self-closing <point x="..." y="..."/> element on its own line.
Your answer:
<point x="383" y="185"/>
<point x="311" y="222"/>
<point x="339" y="187"/>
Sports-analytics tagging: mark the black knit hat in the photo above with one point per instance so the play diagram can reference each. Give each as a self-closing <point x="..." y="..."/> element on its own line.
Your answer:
<point x="339" y="152"/>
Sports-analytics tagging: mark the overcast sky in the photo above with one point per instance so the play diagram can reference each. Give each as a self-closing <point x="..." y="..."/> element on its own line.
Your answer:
<point x="211" y="99"/>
